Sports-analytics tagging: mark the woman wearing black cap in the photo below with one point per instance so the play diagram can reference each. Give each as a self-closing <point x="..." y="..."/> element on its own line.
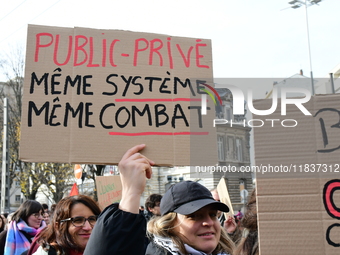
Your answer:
<point x="188" y="223"/>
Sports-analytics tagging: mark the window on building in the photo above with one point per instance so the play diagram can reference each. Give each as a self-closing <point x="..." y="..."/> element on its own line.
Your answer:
<point x="17" y="184"/>
<point x="230" y="148"/>
<point x="220" y="148"/>
<point x="239" y="150"/>
<point x="17" y="198"/>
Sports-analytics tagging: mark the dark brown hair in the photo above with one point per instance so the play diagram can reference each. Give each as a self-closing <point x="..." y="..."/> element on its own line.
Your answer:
<point x="56" y="234"/>
<point x="27" y="209"/>
<point x="152" y="201"/>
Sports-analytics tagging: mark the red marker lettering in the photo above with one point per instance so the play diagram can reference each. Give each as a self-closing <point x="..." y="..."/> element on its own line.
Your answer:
<point x="112" y="51"/>
<point x="90" y="64"/>
<point x="156" y="50"/>
<point x="137" y="49"/>
<point x="78" y="48"/>
<point x="198" y="55"/>
<point x="329" y="188"/>
<point x="56" y="47"/>
<point x="171" y="63"/>
<point x="186" y="60"/>
<point x="104" y="53"/>
<point x="38" y="45"/>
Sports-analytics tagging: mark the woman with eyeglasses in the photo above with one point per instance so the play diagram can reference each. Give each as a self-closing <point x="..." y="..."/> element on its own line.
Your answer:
<point x="70" y="228"/>
<point x="26" y="222"/>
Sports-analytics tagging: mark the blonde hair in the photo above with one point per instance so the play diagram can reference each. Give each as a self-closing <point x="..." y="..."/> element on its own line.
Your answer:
<point x="164" y="226"/>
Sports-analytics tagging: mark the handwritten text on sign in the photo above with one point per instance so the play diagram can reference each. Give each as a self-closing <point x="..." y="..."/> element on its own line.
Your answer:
<point x="109" y="190"/>
<point x="56" y="114"/>
<point x="84" y="49"/>
<point x="92" y="87"/>
<point x="89" y="51"/>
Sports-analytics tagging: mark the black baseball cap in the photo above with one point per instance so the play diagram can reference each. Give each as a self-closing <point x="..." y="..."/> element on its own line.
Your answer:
<point x="187" y="197"/>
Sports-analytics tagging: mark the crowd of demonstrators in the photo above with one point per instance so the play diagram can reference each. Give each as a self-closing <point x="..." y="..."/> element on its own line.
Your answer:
<point x="25" y="223"/>
<point x="248" y="244"/>
<point x="70" y="229"/>
<point x="189" y="223"/>
<point x="186" y="220"/>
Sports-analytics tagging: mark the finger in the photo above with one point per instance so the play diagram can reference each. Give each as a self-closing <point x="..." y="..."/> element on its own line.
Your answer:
<point x="148" y="172"/>
<point x="138" y="156"/>
<point x="132" y="151"/>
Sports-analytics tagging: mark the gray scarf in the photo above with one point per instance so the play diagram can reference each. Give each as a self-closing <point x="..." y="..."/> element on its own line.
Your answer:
<point x="167" y="244"/>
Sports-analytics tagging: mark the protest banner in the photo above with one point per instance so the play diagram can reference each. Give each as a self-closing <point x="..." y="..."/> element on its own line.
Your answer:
<point x="223" y="193"/>
<point x="297" y="175"/>
<point x="91" y="94"/>
<point x="109" y="190"/>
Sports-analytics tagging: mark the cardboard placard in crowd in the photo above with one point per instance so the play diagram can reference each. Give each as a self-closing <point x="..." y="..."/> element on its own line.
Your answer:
<point x="91" y="94"/>
<point x="223" y="193"/>
<point x="297" y="178"/>
<point x="109" y="190"/>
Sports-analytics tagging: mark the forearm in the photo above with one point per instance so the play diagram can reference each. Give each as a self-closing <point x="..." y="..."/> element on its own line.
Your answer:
<point x="130" y="202"/>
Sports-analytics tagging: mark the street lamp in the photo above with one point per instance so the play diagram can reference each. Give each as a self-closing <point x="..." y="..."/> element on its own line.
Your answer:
<point x="297" y="4"/>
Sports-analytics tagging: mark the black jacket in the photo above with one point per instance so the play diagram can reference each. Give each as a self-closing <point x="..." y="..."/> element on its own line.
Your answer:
<point x="117" y="232"/>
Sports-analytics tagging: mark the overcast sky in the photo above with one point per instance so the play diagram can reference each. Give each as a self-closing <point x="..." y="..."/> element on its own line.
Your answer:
<point x="250" y="38"/>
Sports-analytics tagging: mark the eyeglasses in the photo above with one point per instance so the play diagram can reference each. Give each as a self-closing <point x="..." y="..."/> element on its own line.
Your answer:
<point x="80" y="221"/>
<point x="37" y="215"/>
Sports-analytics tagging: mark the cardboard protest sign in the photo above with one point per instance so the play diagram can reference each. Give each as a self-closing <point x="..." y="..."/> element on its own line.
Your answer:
<point x="297" y="172"/>
<point x="91" y="94"/>
<point x="223" y="193"/>
<point x="109" y="190"/>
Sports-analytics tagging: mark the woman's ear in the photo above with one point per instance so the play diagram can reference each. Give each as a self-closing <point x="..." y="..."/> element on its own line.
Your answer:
<point x="56" y="226"/>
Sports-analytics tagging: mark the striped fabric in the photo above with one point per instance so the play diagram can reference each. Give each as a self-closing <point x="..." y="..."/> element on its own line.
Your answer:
<point x="16" y="242"/>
